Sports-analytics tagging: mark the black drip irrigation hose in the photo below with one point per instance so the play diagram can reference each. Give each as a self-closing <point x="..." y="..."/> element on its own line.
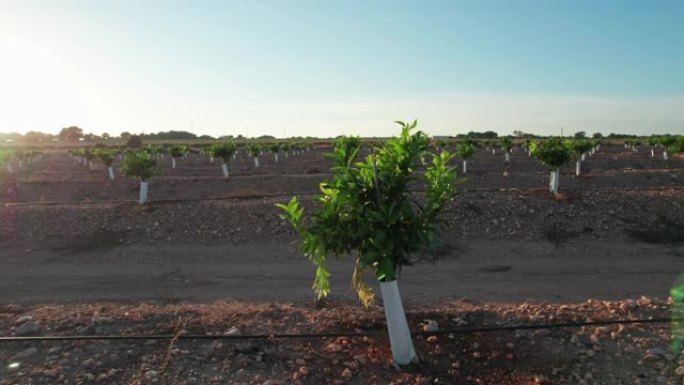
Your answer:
<point x="335" y="335"/>
<point x="310" y="194"/>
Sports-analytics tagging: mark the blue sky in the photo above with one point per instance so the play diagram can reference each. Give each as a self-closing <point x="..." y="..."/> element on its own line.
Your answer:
<point x="328" y="67"/>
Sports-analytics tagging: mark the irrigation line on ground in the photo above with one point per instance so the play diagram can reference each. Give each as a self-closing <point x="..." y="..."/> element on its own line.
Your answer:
<point x="470" y="330"/>
<point x="308" y="194"/>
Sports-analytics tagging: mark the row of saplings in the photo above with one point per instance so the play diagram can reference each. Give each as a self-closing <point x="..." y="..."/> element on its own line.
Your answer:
<point x="555" y="152"/>
<point x="368" y="211"/>
<point x="143" y="164"/>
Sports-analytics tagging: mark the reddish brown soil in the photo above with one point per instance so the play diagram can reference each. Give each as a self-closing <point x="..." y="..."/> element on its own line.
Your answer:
<point x="68" y="235"/>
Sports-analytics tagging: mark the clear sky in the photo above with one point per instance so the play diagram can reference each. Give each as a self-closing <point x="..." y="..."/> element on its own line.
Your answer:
<point x="323" y="68"/>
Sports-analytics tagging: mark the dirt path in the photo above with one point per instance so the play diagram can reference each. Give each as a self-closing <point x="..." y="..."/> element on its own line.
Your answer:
<point x="499" y="271"/>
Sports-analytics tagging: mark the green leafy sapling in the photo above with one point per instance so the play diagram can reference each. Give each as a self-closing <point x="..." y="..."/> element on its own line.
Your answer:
<point x="223" y="150"/>
<point x="275" y="148"/>
<point x="141" y="165"/>
<point x="254" y="150"/>
<point x="465" y="151"/>
<point x="507" y="146"/>
<point x="106" y="156"/>
<point x="553" y="153"/>
<point x="580" y="147"/>
<point x="369" y="210"/>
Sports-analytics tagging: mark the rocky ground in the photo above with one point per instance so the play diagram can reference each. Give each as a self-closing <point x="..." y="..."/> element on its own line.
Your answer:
<point x="617" y="354"/>
<point x="56" y="208"/>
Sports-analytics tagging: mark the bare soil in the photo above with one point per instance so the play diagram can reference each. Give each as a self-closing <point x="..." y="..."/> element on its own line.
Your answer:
<point x="78" y="255"/>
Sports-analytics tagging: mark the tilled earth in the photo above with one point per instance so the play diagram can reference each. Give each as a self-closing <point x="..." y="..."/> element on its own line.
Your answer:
<point x="58" y="207"/>
<point x="617" y="354"/>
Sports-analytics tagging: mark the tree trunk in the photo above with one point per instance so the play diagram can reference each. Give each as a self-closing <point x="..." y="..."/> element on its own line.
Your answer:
<point x="465" y="166"/>
<point x="665" y="155"/>
<point x="583" y="157"/>
<point x="256" y="161"/>
<point x="110" y="171"/>
<point x="173" y="162"/>
<point x="508" y="157"/>
<point x="276" y="157"/>
<point x="652" y="153"/>
<point x="578" y="168"/>
<point x="403" y="352"/>
<point x="224" y="167"/>
<point x="553" y="183"/>
<point x="211" y="159"/>
<point x="493" y="151"/>
<point x="143" y="191"/>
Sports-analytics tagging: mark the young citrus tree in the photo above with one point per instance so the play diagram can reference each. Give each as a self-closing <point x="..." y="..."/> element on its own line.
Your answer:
<point x="369" y="210"/>
<point x="275" y="147"/>
<point x="224" y="151"/>
<point x="653" y="142"/>
<point x="666" y="141"/>
<point x="465" y="151"/>
<point x="142" y="165"/>
<point x="254" y="150"/>
<point x="177" y="152"/>
<point x="106" y="156"/>
<point x="580" y="148"/>
<point x="507" y="145"/>
<point x="554" y="153"/>
<point x="6" y="159"/>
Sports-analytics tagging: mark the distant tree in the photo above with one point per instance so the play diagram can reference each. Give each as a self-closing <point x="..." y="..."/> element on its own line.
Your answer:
<point x="35" y="136"/>
<point x="597" y="135"/>
<point x="580" y="135"/>
<point x="465" y="151"/>
<point x="224" y="151"/>
<point x="134" y="141"/>
<point x="71" y="133"/>
<point x="106" y="136"/>
<point x="125" y="135"/>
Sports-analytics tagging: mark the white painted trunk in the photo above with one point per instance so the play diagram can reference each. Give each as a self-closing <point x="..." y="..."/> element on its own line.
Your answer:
<point x="143" y="191"/>
<point x="286" y="154"/>
<point x="465" y="166"/>
<point x="578" y="168"/>
<point x="235" y="155"/>
<point x="583" y="157"/>
<point x="493" y="151"/>
<point x="276" y="157"/>
<point x="90" y="164"/>
<point x="224" y="167"/>
<point x="508" y="157"/>
<point x="110" y="171"/>
<point x="664" y="155"/>
<point x="529" y="152"/>
<point x="652" y="153"/>
<point x="173" y="162"/>
<point x="553" y="182"/>
<point x="403" y="352"/>
<point x="256" y="161"/>
<point x="120" y="156"/>
<point x="211" y="159"/>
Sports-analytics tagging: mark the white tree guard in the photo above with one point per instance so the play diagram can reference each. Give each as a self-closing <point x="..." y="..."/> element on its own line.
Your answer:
<point x="276" y="157"/>
<point x="465" y="166"/>
<point x="584" y="157"/>
<point x="664" y="155"/>
<point x="403" y="352"/>
<point x="256" y="161"/>
<point x="578" y="167"/>
<point x="553" y="182"/>
<point x="508" y="156"/>
<point x="110" y="171"/>
<point x="224" y="168"/>
<point x="143" y="191"/>
<point x="173" y="162"/>
<point x="652" y="153"/>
